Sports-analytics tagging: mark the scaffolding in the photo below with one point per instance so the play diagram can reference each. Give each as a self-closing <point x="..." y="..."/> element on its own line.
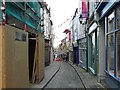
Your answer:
<point x="26" y="15"/>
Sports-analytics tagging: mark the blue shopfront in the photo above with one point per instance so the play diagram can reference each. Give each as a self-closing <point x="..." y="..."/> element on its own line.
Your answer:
<point x="110" y="13"/>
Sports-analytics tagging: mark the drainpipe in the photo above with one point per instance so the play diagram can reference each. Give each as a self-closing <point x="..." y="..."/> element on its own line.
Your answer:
<point x="86" y="35"/>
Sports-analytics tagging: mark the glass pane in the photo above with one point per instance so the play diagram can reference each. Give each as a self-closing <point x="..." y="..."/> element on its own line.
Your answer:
<point x="118" y="53"/>
<point x="111" y="22"/>
<point x="111" y="53"/>
<point x="81" y="55"/>
<point x="80" y="52"/>
<point x="93" y="47"/>
<point x="118" y="17"/>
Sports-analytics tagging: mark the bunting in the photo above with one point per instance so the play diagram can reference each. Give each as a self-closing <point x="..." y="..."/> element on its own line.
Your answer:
<point x="63" y="23"/>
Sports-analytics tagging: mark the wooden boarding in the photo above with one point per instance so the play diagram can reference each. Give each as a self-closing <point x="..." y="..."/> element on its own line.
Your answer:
<point x="38" y="67"/>
<point x="35" y="65"/>
<point x="0" y="57"/>
<point x="41" y="57"/>
<point x="14" y="58"/>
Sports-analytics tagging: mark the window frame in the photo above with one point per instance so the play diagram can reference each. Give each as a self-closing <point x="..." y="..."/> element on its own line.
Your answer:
<point x="115" y="30"/>
<point x="82" y="41"/>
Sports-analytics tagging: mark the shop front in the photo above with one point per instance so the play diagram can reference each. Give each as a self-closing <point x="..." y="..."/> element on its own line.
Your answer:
<point x="93" y="37"/>
<point x="110" y="13"/>
<point x="112" y="28"/>
<point x="75" y="53"/>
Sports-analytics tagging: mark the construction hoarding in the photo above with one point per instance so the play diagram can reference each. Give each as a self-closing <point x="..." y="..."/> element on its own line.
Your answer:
<point x="14" y="57"/>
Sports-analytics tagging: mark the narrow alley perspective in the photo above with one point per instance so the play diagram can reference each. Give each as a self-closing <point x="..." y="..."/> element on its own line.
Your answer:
<point x="56" y="44"/>
<point x="66" y="78"/>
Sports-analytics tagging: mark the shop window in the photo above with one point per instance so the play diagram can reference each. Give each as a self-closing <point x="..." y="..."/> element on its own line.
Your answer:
<point x="118" y="17"/>
<point x="111" y="53"/>
<point x="82" y="50"/>
<point x="80" y="53"/>
<point x="81" y="60"/>
<point x="111" y="31"/>
<point x="93" y="47"/>
<point x="118" y="53"/>
<point x="111" y="22"/>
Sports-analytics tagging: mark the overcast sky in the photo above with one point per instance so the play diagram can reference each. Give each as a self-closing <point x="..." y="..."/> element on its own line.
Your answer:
<point x="61" y="10"/>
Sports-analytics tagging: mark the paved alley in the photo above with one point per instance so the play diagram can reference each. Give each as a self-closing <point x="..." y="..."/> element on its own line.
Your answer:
<point x="65" y="78"/>
<point x="66" y="75"/>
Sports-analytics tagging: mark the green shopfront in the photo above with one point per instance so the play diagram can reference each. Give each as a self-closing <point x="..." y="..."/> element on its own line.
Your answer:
<point x="93" y="36"/>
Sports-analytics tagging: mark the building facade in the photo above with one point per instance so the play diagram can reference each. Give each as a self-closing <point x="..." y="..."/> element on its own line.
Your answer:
<point x="82" y="38"/>
<point x="98" y="36"/>
<point x="22" y="24"/>
<point x="93" y="35"/>
<point x="75" y="37"/>
<point x="109" y="19"/>
<point x="47" y="34"/>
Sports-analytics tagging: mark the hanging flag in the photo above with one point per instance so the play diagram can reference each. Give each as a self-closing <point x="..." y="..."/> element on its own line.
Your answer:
<point x="84" y="9"/>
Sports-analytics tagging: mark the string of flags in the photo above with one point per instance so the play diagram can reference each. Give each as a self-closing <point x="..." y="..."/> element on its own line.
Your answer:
<point x="63" y="23"/>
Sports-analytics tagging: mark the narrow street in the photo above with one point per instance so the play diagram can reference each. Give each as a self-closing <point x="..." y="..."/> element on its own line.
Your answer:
<point x="65" y="78"/>
<point x="66" y="75"/>
<point x="51" y="44"/>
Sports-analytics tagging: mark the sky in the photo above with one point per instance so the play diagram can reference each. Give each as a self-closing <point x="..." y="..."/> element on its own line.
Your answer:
<point x="61" y="10"/>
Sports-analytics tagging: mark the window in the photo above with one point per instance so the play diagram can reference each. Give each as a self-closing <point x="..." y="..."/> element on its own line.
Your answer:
<point x="111" y="53"/>
<point x="93" y="51"/>
<point x="118" y="17"/>
<point x="111" y="22"/>
<point x="93" y="47"/>
<point x="110" y="42"/>
<point x="113" y="33"/>
<point x="118" y="53"/>
<point x="118" y="40"/>
<point x="82" y="50"/>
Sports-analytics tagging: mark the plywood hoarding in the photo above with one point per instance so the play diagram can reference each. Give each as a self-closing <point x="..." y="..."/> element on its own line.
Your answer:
<point x="15" y="58"/>
<point x="41" y="57"/>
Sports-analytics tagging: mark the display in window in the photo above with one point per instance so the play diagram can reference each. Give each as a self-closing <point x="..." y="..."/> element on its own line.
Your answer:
<point x="111" y="53"/>
<point x="93" y="47"/>
<point x="111" y="22"/>
<point x="118" y="53"/>
<point x="118" y="17"/>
